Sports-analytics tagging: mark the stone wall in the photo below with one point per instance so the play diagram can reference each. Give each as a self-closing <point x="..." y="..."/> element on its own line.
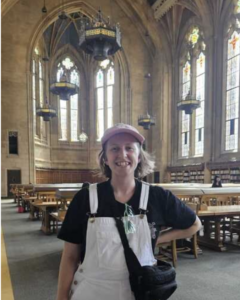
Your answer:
<point x="21" y="26"/>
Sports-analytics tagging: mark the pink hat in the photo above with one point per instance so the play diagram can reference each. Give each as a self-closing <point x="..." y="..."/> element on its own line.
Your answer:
<point x="122" y="128"/>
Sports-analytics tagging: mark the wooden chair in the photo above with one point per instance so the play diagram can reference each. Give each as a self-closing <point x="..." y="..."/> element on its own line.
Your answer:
<point x="234" y="228"/>
<point x="170" y="250"/>
<point x="223" y="200"/>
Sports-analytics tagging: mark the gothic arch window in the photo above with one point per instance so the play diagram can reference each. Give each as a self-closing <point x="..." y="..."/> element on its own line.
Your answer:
<point x="192" y="83"/>
<point x="38" y="88"/>
<point x="232" y="97"/>
<point x="105" y="80"/>
<point x="69" y="111"/>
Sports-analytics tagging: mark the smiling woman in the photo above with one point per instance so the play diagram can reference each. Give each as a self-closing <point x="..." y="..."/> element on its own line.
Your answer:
<point x="92" y="242"/>
<point x="145" y="164"/>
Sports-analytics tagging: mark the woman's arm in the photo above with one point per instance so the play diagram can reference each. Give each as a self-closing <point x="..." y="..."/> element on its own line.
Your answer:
<point x="68" y="266"/>
<point x="175" y="234"/>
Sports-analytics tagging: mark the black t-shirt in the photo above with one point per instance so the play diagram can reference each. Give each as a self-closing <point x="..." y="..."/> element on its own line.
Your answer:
<point x="163" y="210"/>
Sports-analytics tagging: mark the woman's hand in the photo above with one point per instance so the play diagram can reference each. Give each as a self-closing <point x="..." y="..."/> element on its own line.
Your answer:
<point x="69" y="263"/>
<point x="176" y="234"/>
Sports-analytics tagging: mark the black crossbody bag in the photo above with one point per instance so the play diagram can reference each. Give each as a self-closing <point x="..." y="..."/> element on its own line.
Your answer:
<point x="147" y="282"/>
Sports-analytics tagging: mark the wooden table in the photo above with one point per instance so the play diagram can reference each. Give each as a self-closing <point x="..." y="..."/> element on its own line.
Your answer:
<point x="58" y="218"/>
<point x="46" y="208"/>
<point x="55" y="187"/>
<point x="66" y="193"/>
<point x="26" y="200"/>
<point x="214" y="216"/>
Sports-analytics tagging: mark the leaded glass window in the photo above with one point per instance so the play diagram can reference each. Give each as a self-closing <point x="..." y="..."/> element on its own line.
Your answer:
<point x="41" y="98"/>
<point x="186" y="82"/>
<point x="185" y="134"/>
<point x="69" y="110"/>
<point x="38" y="89"/>
<point x="34" y="95"/>
<point x="200" y="93"/>
<point x="186" y="79"/>
<point x="63" y="116"/>
<point x="104" y="97"/>
<point x="192" y="83"/>
<point x="232" y="92"/>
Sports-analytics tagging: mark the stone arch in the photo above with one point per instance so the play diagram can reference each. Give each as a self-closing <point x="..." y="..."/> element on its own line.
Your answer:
<point x="125" y="83"/>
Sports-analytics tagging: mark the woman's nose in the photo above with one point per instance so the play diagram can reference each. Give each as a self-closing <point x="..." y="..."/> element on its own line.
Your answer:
<point x="122" y="152"/>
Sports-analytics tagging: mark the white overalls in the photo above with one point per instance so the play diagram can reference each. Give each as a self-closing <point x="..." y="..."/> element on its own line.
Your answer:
<point x="103" y="274"/>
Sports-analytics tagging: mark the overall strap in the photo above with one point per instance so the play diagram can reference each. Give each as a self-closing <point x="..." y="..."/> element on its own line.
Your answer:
<point x="93" y="198"/>
<point x="144" y="196"/>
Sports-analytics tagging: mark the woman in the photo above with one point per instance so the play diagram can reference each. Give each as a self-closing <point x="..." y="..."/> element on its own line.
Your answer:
<point x="93" y="263"/>
<point x="217" y="181"/>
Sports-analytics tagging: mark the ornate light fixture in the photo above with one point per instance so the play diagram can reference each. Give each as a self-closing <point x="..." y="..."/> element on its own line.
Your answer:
<point x="62" y="16"/>
<point x="189" y="104"/>
<point x="83" y="137"/>
<point x="64" y="89"/>
<point x="46" y="111"/>
<point x="146" y="121"/>
<point x="99" y="38"/>
<point x="45" y="58"/>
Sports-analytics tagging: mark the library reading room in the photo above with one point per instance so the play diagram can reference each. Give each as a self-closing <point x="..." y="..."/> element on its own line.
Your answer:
<point x="120" y="149"/>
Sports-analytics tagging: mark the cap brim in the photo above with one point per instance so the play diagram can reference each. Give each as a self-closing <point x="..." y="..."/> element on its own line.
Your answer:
<point x="140" y="138"/>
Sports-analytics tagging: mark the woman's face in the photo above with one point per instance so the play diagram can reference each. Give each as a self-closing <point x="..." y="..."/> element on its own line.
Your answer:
<point x="122" y="154"/>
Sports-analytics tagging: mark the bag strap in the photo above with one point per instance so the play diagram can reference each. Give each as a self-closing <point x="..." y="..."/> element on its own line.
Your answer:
<point x="93" y="198"/>
<point x="132" y="261"/>
<point x="144" y="196"/>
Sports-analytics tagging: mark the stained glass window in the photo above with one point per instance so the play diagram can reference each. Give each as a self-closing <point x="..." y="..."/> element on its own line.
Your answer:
<point x="41" y="86"/>
<point x="69" y="110"/>
<point x="41" y="99"/>
<point x="67" y="63"/>
<point x="200" y="94"/>
<point x="34" y="95"/>
<point x="237" y="9"/>
<point x="63" y="117"/>
<point x="185" y="134"/>
<point x="193" y="38"/>
<point x="193" y="83"/>
<point x="99" y="78"/>
<point x="110" y="76"/>
<point x="59" y="74"/>
<point x="104" y="93"/>
<point x="74" y="78"/>
<point x="74" y="117"/>
<point x="100" y="113"/>
<point x="232" y="92"/>
<point x="186" y="81"/>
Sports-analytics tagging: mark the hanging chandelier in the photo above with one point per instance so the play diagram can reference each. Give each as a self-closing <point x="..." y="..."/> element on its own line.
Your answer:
<point x="83" y="137"/>
<point x="64" y="89"/>
<point x="99" y="39"/>
<point x="189" y="104"/>
<point x="146" y="121"/>
<point x="46" y="111"/>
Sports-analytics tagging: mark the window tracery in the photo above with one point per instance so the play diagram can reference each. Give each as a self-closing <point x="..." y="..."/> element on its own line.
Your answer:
<point x="192" y="81"/>
<point x="232" y="97"/>
<point x="38" y="88"/>
<point x="69" y="110"/>
<point x="105" y="80"/>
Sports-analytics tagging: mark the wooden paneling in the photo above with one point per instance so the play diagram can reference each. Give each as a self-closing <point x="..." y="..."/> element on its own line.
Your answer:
<point x="66" y="176"/>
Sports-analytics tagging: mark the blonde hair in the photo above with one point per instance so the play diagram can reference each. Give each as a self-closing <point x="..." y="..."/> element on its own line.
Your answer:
<point x="145" y="166"/>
